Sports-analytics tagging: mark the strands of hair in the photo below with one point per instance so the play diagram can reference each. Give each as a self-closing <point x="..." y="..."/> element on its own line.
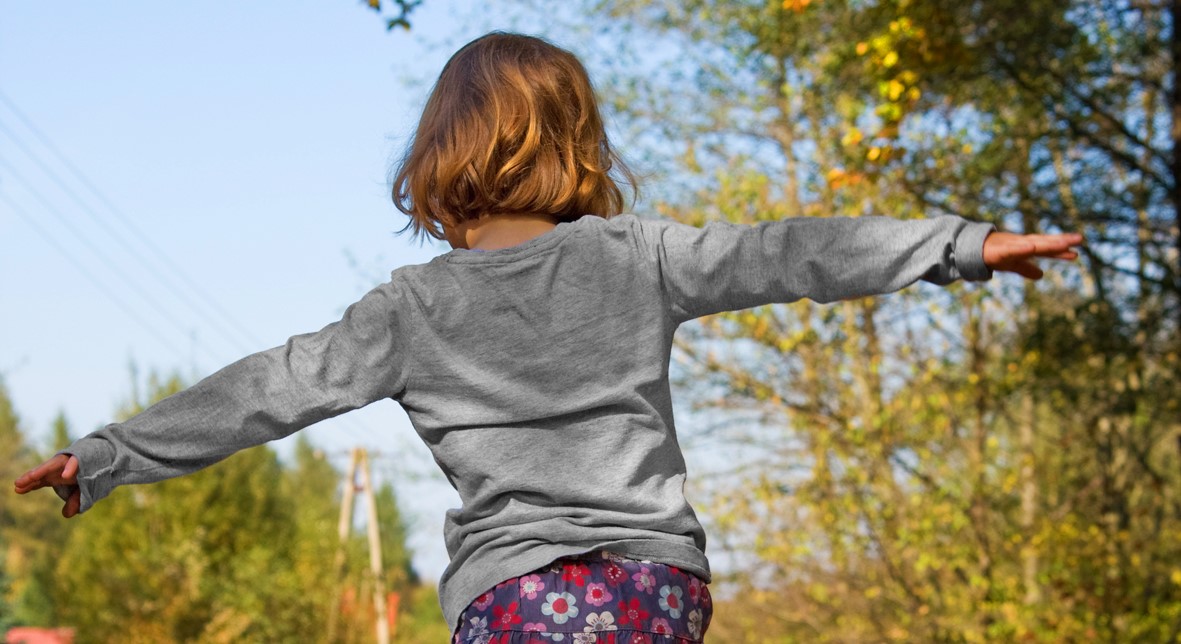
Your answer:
<point x="511" y="126"/>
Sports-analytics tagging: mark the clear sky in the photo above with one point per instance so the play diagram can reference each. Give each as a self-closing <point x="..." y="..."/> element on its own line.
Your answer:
<point x="181" y="187"/>
<point x="245" y="151"/>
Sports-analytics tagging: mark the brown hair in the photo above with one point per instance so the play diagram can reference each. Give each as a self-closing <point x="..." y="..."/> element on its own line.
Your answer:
<point x="511" y="126"/>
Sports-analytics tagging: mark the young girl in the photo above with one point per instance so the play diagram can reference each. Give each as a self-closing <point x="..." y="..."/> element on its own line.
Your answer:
<point x="533" y="357"/>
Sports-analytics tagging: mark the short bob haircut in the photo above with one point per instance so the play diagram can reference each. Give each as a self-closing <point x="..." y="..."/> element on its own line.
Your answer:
<point x="511" y="127"/>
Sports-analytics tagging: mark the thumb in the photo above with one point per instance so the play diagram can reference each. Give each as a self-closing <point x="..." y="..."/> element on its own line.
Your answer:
<point x="70" y="471"/>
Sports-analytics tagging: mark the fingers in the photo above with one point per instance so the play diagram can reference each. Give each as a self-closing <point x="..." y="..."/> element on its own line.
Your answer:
<point x="1019" y="247"/>
<point x="73" y="504"/>
<point x="34" y="474"/>
<point x="47" y="473"/>
<point x="29" y="486"/>
<point x="1070" y="239"/>
<point x="1043" y="245"/>
<point x="1053" y="245"/>
<point x="32" y="480"/>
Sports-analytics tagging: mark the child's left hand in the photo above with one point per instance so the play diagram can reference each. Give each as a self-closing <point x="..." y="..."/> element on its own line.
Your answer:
<point x="1014" y="253"/>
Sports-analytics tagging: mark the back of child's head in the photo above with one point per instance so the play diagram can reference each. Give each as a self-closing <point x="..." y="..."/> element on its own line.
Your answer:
<point x="511" y="127"/>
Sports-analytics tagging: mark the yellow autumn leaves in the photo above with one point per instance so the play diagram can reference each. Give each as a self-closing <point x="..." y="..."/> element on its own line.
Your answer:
<point x="899" y="90"/>
<point x="797" y="6"/>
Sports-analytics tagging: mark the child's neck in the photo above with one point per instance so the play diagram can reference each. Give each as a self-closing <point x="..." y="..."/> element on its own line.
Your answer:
<point x="504" y="231"/>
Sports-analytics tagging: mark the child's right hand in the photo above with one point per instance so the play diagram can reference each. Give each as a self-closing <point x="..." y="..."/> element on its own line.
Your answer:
<point x="60" y="473"/>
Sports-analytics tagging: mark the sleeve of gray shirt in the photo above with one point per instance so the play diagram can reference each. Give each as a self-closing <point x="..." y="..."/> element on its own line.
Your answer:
<point x="727" y="266"/>
<point x="265" y="396"/>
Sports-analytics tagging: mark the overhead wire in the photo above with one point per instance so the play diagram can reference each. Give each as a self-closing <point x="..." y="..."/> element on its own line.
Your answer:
<point x="356" y="432"/>
<point x="52" y="241"/>
<point x="132" y="252"/>
<point x="126" y="221"/>
<point x="127" y="279"/>
<point x="348" y="425"/>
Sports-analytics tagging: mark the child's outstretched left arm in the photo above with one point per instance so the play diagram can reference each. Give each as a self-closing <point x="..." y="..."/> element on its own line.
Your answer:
<point x="726" y="266"/>
<point x="265" y="396"/>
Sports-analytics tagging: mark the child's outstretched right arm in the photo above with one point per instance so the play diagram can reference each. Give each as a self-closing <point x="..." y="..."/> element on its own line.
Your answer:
<point x="262" y="397"/>
<point x="725" y="266"/>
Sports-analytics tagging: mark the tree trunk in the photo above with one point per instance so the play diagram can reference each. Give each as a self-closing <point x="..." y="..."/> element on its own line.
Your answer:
<point x="1175" y="161"/>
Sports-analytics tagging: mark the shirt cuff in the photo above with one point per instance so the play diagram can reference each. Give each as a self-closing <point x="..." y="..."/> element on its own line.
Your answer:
<point x="969" y="251"/>
<point x="95" y="468"/>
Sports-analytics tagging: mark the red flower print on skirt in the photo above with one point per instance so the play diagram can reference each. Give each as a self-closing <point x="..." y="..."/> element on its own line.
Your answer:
<point x="632" y="613"/>
<point x="505" y="617"/>
<point x="614" y="574"/>
<point x="576" y="573"/>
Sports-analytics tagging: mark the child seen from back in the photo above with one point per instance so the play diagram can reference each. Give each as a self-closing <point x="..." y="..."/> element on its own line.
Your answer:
<point x="532" y="358"/>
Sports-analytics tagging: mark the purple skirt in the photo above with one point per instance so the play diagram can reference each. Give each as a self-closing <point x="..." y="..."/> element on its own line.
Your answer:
<point x="598" y="597"/>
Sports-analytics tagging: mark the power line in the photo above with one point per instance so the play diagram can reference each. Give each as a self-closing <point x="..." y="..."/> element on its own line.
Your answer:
<point x="131" y="252"/>
<point x="89" y="274"/>
<point x="136" y="288"/>
<point x="354" y="431"/>
<point x="349" y="425"/>
<point x="126" y="221"/>
<point x="396" y="465"/>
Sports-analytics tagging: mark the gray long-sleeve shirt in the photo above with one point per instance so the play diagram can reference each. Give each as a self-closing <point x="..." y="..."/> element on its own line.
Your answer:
<point x="536" y="374"/>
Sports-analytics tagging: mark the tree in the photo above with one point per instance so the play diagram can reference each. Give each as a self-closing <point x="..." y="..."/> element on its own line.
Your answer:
<point x="26" y="529"/>
<point x="203" y="557"/>
<point x="956" y="464"/>
<point x="61" y="433"/>
<point x="239" y="551"/>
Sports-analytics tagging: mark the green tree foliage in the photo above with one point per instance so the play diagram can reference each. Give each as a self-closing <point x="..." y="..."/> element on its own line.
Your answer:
<point x="318" y="541"/>
<point x="421" y="619"/>
<point x="973" y="463"/>
<point x="35" y="604"/>
<point x="13" y="457"/>
<point x="61" y="433"/>
<point x="30" y="530"/>
<point x="202" y="557"/>
<point x="240" y="551"/>
<point x="396" y="557"/>
<point x="7" y="616"/>
<point x="316" y="513"/>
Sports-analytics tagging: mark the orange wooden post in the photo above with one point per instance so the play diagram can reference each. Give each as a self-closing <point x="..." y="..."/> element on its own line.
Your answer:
<point x="393" y="599"/>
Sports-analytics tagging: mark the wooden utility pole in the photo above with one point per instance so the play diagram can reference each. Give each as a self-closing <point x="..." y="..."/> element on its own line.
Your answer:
<point x="360" y="461"/>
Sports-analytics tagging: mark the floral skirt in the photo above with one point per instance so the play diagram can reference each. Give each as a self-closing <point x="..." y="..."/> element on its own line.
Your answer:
<point x="598" y="597"/>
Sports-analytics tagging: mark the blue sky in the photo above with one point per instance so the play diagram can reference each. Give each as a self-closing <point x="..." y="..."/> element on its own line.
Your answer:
<point x="250" y="146"/>
<point x="181" y="188"/>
